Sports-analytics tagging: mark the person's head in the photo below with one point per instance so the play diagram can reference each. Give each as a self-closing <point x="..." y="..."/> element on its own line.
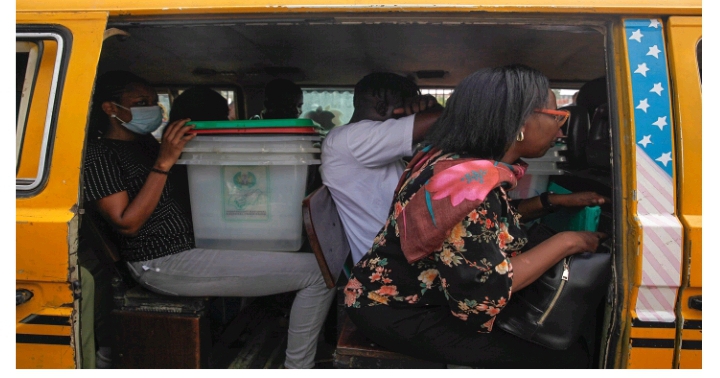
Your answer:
<point x="491" y="109"/>
<point x="199" y="103"/>
<point x="123" y="99"/>
<point x="592" y="94"/>
<point x="283" y="99"/>
<point x="378" y="94"/>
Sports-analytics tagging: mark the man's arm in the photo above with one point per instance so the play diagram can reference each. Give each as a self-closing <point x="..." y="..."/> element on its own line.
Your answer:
<point x="426" y="110"/>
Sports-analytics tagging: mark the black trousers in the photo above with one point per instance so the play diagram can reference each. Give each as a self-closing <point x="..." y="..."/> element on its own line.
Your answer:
<point x="434" y="334"/>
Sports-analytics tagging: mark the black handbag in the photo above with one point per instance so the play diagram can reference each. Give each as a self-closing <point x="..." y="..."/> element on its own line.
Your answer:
<point x="555" y="309"/>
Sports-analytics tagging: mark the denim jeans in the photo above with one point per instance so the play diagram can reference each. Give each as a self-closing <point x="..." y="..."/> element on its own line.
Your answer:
<point x="227" y="273"/>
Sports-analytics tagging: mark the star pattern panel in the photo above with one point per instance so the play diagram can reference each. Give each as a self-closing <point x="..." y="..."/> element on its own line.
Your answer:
<point x="649" y="84"/>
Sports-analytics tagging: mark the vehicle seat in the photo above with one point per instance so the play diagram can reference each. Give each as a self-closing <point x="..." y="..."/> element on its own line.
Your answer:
<point x="598" y="145"/>
<point x="150" y="330"/>
<point x="326" y="234"/>
<point x="332" y="250"/>
<point x="576" y="135"/>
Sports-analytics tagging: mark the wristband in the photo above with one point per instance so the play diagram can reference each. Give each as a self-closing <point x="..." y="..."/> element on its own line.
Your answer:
<point x="160" y="171"/>
<point x="545" y="201"/>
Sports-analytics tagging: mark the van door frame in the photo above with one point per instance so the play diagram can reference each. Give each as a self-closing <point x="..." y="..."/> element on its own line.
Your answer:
<point x="47" y="215"/>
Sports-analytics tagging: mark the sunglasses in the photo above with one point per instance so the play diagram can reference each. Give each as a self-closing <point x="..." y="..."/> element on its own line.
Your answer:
<point x="560" y="115"/>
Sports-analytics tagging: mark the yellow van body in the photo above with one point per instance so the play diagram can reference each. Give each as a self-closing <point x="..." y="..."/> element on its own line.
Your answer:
<point x="658" y="314"/>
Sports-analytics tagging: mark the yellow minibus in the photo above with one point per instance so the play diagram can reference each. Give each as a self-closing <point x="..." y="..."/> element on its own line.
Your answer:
<point x="641" y="147"/>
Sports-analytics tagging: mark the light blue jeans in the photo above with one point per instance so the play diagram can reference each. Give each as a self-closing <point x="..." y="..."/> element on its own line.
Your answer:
<point x="226" y="273"/>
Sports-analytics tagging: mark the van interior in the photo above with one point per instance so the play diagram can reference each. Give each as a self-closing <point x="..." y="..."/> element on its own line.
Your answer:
<point x="326" y="54"/>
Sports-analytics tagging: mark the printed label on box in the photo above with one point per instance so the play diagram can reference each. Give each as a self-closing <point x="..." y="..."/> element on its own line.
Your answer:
<point x="245" y="194"/>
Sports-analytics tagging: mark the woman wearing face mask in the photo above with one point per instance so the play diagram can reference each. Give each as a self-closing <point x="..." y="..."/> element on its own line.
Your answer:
<point x="126" y="175"/>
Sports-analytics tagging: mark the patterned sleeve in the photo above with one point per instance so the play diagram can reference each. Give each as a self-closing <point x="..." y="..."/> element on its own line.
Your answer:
<point x="102" y="174"/>
<point x="475" y="273"/>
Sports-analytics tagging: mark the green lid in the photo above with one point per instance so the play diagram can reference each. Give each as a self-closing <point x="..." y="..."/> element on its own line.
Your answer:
<point x="254" y="124"/>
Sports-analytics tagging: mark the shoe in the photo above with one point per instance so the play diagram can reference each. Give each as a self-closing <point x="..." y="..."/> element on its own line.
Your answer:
<point x="103" y="359"/>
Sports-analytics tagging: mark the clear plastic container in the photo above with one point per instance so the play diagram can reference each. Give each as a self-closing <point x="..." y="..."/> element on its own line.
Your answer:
<point x="246" y="201"/>
<point x="255" y="144"/>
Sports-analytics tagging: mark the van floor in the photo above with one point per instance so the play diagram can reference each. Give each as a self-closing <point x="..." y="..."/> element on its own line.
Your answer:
<point x="262" y="327"/>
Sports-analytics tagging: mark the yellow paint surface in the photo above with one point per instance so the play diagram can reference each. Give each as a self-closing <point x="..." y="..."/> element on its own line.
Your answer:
<point x="165" y="7"/>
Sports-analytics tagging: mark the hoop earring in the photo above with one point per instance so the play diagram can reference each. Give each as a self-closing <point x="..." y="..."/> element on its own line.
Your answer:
<point x="520" y="137"/>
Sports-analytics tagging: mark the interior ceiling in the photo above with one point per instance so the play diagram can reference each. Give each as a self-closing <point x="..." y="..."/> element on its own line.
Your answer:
<point x="340" y="54"/>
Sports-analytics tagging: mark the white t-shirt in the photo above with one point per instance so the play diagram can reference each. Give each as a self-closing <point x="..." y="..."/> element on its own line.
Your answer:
<point x="361" y="165"/>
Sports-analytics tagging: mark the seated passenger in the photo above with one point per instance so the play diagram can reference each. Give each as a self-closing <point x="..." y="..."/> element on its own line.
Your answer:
<point x="450" y="253"/>
<point x="283" y="100"/>
<point x="362" y="161"/>
<point x="126" y="178"/>
<point x="199" y="103"/>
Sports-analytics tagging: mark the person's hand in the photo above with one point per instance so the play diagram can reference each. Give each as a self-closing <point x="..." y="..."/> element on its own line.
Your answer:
<point x="415" y="105"/>
<point x="582" y="241"/>
<point x="173" y="141"/>
<point x="579" y="199"/>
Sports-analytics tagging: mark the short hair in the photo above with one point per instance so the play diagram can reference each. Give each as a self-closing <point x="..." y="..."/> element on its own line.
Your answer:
<point x="199" y="103"/>
<point x="487" y="109"/>
<point x="110" y="86"/>
<point x="279" y="91"/>
<point x="379" y="84"/>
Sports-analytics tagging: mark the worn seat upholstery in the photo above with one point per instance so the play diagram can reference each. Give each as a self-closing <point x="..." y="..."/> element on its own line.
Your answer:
<point x="576" y="135"/>
<point x="332" y="250"/>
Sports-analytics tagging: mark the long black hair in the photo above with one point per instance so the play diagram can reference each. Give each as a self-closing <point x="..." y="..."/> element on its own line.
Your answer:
<point x="487" y="109"/>
<point x="110" y="86"/>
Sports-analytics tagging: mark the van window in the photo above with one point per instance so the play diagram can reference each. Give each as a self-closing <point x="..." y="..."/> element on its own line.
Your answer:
<point x="699" y="59"/>
<point x="332" y="107"/>
<point x="329" y="107"/>
<point x="38" y="67"/>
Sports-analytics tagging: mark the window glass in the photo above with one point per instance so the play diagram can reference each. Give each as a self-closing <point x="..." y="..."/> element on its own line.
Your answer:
<point x="564" y="97"/>
<point x="328" y="107"/>
<point x="334" y="107"/>
<point x="699" y="58"/>
<point x="25" y="67"/>
<point x="37" y="72"/>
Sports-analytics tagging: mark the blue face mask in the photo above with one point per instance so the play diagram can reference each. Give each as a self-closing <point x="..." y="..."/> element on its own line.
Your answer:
<point x="145" y="119"/>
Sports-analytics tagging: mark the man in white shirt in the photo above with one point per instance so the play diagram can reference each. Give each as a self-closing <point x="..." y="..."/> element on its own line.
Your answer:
<point x="362" y="161"/>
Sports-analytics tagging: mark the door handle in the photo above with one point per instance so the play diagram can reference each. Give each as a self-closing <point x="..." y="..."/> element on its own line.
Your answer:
<point x="695" y="302"/>
<point x="22" y="296"/>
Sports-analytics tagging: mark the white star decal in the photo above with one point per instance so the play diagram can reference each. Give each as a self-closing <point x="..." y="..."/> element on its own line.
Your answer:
<point x="664" y="158"/>
<point x="642" y="69"/>
<point x="645" y="141"/>
<point x="654" y="51"/>
<point x="643" y="105"/>
<point x="657" y="88"/>
<point x="661" y="122"/>
<point x="636" y="35"/>
<point x="654" y="23"/>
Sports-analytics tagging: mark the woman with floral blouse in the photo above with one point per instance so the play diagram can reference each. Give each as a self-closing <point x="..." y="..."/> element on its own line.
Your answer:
<point x="451" y="252"/>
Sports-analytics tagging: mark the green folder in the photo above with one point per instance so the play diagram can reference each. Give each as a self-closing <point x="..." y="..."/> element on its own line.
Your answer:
<point x="571" y="219"/>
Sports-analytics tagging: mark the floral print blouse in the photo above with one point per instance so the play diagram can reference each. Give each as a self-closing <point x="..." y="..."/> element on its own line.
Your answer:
<point x="471" y="273"/>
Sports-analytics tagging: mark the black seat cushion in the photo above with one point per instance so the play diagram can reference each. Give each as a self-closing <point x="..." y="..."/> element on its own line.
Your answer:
<point x="598" y="146"/>
<point x="576" y="135"/>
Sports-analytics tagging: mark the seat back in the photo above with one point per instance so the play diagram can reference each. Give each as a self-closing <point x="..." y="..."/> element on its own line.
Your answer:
<point x="91" y="234"/>
<point x="326" y="234"/>
<point x="598" y="147"/>
<point x="576" y="134"/>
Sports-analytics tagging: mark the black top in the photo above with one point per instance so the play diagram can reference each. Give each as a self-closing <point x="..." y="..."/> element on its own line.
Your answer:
<point x="113" y="166"/>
